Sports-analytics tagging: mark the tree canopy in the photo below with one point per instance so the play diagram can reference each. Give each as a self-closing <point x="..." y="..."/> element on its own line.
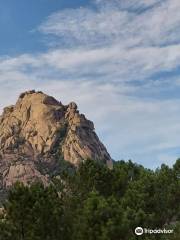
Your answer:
<point x="93" y="202"/>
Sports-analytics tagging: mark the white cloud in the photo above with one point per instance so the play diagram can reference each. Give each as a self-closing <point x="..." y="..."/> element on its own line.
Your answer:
<point x="105" y="59"/>
<point x="113" y="21"/>
<point x="113" y="41"/>
<point x="129" y="4"/>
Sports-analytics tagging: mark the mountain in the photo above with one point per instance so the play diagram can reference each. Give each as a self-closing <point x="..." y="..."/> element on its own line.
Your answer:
<point x="39" y="132"/>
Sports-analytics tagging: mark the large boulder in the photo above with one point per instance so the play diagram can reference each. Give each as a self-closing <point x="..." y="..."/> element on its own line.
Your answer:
<point x="37" y="131"/>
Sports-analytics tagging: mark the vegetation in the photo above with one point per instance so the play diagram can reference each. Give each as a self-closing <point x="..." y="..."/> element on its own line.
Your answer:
<point x="95" y="203"/>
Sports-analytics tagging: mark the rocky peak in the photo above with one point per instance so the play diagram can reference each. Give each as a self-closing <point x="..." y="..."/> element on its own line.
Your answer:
<point x="38" y="130"/>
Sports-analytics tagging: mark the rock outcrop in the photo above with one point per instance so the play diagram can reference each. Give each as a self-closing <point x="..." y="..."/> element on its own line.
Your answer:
<point x="38" y="131"/>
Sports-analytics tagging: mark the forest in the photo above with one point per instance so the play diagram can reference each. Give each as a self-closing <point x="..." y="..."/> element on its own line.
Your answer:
<point x="93" y="202"/>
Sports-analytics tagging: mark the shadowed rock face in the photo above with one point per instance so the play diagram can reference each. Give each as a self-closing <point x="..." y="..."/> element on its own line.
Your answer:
<point x="37" y="131"/>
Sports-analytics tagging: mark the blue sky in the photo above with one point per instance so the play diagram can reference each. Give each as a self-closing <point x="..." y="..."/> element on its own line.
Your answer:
<point x="19" y="18"/>
<point x="119" y="60"/>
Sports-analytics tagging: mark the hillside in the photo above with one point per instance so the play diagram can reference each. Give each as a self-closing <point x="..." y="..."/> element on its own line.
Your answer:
<point x="39" y="132"/>
<point x="93" y="202"/>
<point x="57" y="180"/>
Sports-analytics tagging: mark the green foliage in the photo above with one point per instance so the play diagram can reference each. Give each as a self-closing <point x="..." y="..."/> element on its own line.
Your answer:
<point x="93" y="202"/>
<point x="100" y="218"/>
<point x="33" y="213"/>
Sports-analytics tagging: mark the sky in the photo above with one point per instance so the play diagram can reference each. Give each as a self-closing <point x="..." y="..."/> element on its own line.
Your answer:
<point x="119" y="60"/>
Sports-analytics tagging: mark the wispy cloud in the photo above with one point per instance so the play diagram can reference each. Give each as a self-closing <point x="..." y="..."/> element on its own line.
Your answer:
<point x="114" y="20"/>
<point x="116" y="39"/>
<point x="113" y="58"/>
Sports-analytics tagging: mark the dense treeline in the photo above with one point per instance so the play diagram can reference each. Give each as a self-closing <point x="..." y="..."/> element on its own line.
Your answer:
<point x="95" y="203"/>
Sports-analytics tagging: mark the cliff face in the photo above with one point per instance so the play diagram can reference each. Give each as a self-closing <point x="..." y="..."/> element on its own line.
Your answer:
<point x="37" y="131"/>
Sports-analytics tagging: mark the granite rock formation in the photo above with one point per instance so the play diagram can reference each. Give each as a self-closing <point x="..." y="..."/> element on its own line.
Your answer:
<point x="38" y="131"/>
